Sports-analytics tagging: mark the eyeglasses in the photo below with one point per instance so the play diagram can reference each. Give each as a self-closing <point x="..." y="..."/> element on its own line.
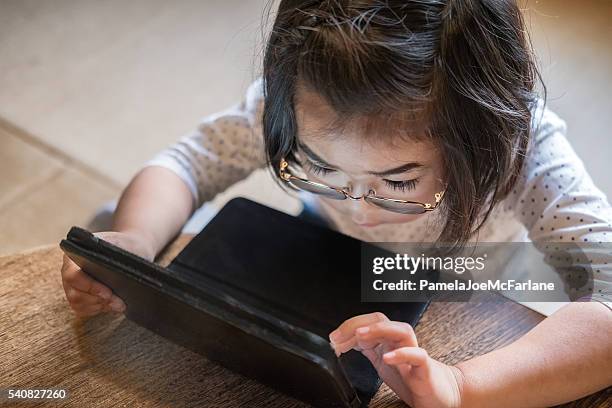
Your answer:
<point x="389" y="204"/>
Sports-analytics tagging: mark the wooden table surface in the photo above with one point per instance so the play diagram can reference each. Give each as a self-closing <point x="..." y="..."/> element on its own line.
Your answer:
<point x="111" y="362"/>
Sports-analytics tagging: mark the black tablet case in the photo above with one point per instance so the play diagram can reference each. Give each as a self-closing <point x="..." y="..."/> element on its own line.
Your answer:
<point x="258" y="291"/>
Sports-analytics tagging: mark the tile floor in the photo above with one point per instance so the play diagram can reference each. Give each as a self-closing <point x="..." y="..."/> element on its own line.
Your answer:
<point x="89" y="90"/>
<point x="43" y="192"/>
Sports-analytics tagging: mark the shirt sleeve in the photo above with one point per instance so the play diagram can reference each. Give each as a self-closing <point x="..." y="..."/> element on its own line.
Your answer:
<point x="223" y="149"/>
<point x="557" y="201"/>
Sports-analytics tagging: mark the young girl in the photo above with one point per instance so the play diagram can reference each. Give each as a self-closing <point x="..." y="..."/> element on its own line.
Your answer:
<point x="406" y="121"/>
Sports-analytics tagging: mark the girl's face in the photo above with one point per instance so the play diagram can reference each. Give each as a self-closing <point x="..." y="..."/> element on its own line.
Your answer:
<point x="404" y="169"/>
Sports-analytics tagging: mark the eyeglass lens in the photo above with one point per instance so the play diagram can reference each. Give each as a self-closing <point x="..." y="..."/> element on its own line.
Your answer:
<point x="403" y="208"/>
<point x="318" y="189"/>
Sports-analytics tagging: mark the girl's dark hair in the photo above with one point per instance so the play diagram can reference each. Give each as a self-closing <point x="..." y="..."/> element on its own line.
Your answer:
<point x="465" y="67"/>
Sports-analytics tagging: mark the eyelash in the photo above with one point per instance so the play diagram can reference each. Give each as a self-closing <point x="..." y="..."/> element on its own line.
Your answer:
<point x="318" y="170"/>
<point x="395" y="185"/>
<point x="402" y="185"/>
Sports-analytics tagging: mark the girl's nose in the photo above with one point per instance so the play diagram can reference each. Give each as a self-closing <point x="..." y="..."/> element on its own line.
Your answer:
<point x="357" y="190"/>
<point x="361" y="211"/>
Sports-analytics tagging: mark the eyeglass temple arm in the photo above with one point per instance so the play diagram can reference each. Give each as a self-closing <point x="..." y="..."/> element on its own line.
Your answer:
<point x="283" y="174"/>
<point x="438" y="197"/>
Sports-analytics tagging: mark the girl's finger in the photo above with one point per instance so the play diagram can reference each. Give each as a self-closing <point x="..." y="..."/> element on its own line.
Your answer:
<point x="107" y="308"/>
<point x="116" y="304"/>
<point x="416" y="357"/>
<point x="77" y="297"/>
<point x="346" y="330"/>
<point x="88" y="310"/>
<point x="400" y="333"/>
<point x="73" y="276"/>
<point x="345" y="346"/>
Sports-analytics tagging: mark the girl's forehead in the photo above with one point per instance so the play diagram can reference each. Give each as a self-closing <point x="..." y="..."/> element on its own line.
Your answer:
<point x="377" y="142"/>
<point x="316" y="118"/>
<point x="375" y="155"/>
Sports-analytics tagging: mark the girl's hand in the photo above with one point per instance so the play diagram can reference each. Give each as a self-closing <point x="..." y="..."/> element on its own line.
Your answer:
<point x="87" y="296"/>
<point x="392" y="348"/>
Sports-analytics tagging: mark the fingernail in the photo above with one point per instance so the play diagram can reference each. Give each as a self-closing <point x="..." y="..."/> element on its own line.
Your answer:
<point x="363" y="330"/>
<point x="116" y="306"/>
<point x="334" y="336"/>
<point x="390" y="354"/>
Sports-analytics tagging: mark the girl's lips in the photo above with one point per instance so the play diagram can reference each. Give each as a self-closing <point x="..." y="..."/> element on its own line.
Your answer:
<point x="367" y="225"/>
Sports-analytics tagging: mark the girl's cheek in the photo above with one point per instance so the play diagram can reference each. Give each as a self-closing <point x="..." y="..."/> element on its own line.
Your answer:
<point x="393" y="218"/>
<point x="341" y="206"/>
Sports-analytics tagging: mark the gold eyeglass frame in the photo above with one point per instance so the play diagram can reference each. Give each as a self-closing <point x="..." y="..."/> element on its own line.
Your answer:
<point x="287" y="177"/>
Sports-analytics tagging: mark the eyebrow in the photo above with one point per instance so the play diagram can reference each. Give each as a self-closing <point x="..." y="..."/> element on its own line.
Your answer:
<point x="314" y="157"/>
<point x="396" y="170"/>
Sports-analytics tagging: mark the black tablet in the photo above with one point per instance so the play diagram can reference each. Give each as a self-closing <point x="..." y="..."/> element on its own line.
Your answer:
<point x="257" y="291"/>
